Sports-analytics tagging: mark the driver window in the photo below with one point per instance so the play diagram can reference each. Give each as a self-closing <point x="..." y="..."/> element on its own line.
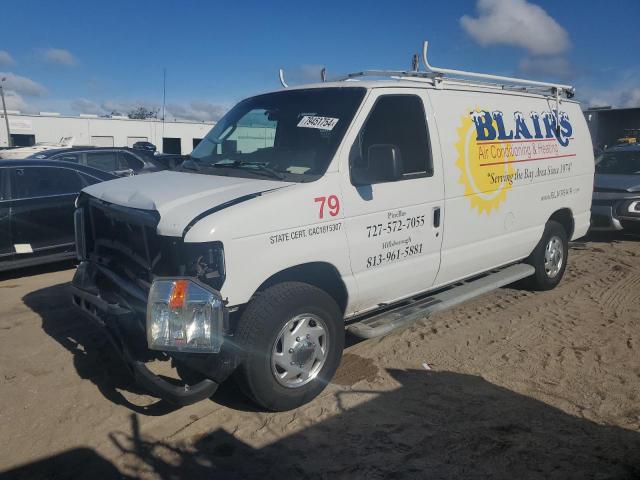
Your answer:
<point x="399" y="120"/>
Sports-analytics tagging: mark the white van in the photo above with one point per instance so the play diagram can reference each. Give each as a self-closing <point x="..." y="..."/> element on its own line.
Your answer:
<point x="363" y="203"/>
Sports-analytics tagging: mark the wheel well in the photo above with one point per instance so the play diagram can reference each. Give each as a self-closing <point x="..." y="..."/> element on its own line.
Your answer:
<point x="319" y="274"/>
<point x="565" y="218"/>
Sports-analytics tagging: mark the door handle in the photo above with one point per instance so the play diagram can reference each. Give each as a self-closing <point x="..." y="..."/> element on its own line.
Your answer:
<point x="436" y="217"/>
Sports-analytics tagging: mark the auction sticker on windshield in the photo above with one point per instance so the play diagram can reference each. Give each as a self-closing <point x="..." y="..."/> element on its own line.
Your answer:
<point x="322" y="123"/>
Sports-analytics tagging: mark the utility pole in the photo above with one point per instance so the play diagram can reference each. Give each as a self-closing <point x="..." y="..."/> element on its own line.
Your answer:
<point x="4" y="108"/>
<point x="164" y="90"/>
<point x="164" y="99"/>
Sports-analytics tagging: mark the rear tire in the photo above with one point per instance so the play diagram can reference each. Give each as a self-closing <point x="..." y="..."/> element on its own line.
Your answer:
<point x="549" y="258"/>
<point x="291" y="336"/>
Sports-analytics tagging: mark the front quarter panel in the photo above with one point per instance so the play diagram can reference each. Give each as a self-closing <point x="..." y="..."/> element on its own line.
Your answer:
<point x="277" y="230"/>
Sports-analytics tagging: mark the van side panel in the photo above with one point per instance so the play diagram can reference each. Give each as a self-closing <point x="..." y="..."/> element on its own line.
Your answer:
<point x="507" y="169"/>
<point x="280" y="229"/>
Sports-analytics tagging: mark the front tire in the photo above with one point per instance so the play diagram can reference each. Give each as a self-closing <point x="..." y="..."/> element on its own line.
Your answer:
<point x="291" y="336"/>
<point x="549" y="258"/>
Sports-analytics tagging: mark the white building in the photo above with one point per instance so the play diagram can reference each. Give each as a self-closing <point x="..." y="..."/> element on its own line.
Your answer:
<point x="169" y="137"/>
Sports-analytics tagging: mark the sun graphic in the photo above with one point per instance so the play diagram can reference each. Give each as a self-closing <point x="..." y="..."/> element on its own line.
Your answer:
<point x="483" y="174"/>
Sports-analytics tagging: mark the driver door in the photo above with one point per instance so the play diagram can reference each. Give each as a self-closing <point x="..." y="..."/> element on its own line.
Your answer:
<point x="394" y="228"/>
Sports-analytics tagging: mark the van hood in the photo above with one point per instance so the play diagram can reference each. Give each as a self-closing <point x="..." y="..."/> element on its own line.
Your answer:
<point x="178" y="197"/>
<point x="620" y="183"/>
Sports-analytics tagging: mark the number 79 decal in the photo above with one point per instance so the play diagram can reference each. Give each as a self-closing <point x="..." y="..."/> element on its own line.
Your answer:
<point x="331" y="202"/>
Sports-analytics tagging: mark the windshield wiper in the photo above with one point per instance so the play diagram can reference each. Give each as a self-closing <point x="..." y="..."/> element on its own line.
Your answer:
<point x="258" y="168"/>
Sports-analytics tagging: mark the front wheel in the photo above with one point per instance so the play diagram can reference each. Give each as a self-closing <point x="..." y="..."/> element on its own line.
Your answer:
<point x="291" y="336"/>
<point x="549" y="258"/>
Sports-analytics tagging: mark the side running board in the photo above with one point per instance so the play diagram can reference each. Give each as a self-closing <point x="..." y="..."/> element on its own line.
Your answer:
<point x="401" y="316"/>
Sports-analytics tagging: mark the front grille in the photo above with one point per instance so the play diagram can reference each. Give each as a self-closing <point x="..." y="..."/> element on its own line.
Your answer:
<point x="123" y="242"/>
<point x="122" y="239"/>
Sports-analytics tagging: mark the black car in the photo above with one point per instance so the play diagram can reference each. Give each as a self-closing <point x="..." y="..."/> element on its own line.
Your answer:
<point x="148" y="146"/>
<point x="37" y="200"/>
<point x="616" y="189"/>
<point x="118" y="161"/>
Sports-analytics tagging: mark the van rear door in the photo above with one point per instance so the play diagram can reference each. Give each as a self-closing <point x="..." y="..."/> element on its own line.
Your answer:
<point x="393" y="224"/>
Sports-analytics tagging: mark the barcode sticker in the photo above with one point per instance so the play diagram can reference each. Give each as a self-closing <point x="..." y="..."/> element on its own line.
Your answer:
<point x="322" y="123"/>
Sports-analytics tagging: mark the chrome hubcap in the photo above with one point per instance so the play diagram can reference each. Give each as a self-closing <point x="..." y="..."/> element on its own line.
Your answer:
<point x="553" y="257"/>
<point x="300" y="350"/>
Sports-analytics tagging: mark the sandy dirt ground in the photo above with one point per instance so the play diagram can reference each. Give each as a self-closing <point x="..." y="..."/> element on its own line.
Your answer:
<point x="522" y="385"/>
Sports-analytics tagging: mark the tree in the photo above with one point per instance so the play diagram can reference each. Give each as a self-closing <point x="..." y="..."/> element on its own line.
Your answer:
<point x="142" y="113"/>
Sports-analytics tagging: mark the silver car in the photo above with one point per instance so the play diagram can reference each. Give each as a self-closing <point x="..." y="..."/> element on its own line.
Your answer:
<point x="616" y="190"/>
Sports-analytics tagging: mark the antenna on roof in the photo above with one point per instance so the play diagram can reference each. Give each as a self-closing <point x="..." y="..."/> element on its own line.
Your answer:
<point x="284" y="84"/>
<point x="415" y="63"/>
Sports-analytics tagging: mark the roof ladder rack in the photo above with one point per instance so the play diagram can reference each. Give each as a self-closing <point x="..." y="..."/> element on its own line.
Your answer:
<point x="442" y="72"/>
<point x="439" y="75"/>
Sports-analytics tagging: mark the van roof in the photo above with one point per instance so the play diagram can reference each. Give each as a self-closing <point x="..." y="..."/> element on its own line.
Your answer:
<point x="426" y="83"/>
<point x="445" y="78"/>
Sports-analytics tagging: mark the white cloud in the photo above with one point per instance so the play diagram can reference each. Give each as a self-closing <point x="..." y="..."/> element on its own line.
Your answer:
<point x="22" y="85"/>
<point x="615" y="97"/>
<point x="632" y="98"/>
<point x="516" y="23"/>
<point x="199" y="111"/>
<point x="545" y="66"/>
<point x="58" y="56"/>
<point x="17" y="102"/>
<point x="616" y="89"/>
<point x="82" y="105"/>
<point x="6" y="58"/>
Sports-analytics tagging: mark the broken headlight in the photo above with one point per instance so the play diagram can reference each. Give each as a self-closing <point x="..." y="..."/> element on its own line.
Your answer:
<point x="205" y="261"/>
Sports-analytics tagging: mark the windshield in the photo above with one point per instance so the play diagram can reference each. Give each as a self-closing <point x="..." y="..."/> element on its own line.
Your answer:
<point x="290" y="135"/>
<point x="619" y="163"/>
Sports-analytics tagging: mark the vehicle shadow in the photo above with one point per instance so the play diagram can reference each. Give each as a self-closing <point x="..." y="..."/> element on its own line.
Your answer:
<point x="434" y="425"/>
<point x="94" y="357"/>
<point x="611" y="237"/>
<point x="75" y="463"/>
<point x="37" y="270"/>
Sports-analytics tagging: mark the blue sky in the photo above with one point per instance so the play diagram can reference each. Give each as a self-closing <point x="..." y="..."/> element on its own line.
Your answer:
<point x="81" y="57"/>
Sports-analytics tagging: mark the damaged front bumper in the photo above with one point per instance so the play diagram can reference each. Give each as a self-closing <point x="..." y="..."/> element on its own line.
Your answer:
<point x="123" y="322"/>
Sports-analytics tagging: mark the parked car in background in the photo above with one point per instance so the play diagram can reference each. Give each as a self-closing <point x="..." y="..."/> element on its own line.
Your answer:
<point x="23" y="152"/>
<point x="616" y="192"/>
<point x="147" y="146"/>
<point x="122" y="162"/>
<point x="36" y="209"/>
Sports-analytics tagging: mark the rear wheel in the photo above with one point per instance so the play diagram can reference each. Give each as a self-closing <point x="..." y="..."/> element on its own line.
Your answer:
<point x="291" y="336"/>
<point x="549" y="258"/>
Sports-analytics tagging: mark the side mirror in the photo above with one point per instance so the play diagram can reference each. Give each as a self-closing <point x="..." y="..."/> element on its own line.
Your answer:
<point x="384" y="165"/>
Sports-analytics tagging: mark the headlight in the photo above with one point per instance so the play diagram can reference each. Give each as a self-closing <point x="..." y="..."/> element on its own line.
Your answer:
<point x="184" y="316"/>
